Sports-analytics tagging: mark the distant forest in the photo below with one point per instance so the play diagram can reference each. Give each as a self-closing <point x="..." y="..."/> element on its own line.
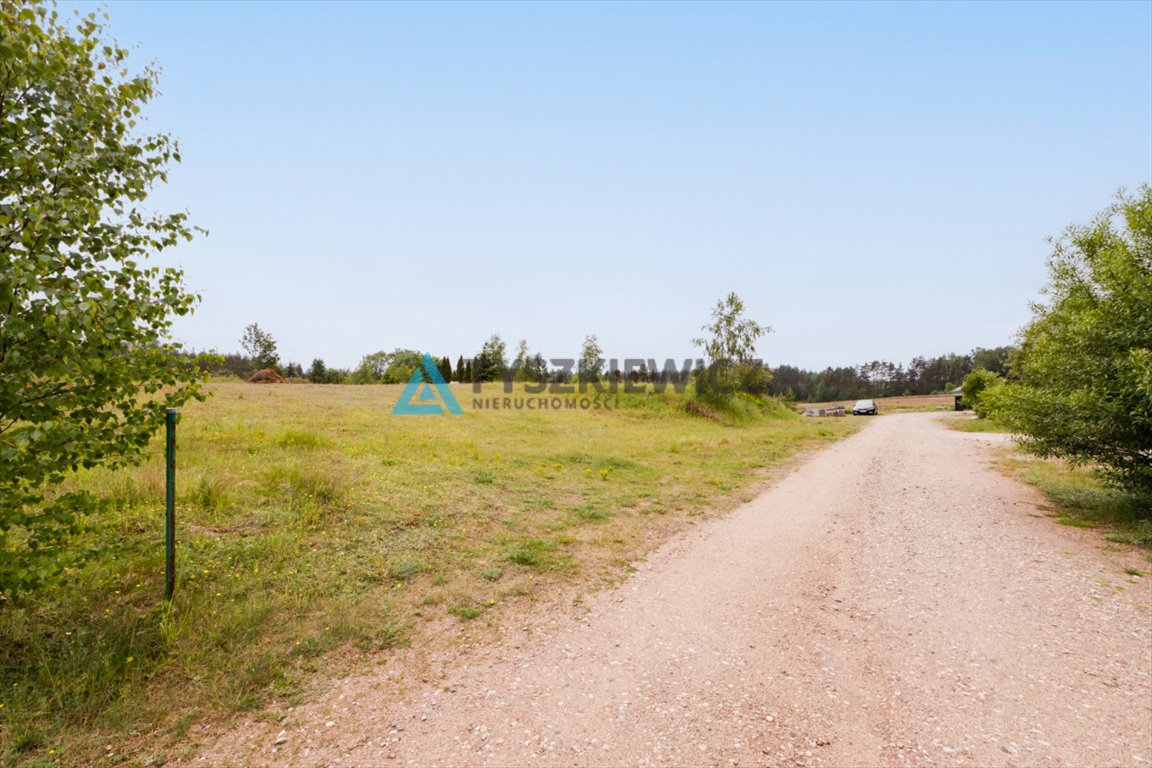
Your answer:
<point x="880" y="378"/>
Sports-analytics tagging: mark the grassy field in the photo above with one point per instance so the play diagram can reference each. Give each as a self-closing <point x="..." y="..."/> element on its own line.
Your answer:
<point x="315" y="526"/>
<point x="1079" y="497"/>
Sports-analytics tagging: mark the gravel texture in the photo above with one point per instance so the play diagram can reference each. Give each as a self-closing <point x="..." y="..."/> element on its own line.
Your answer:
<point x="891" y="601"/>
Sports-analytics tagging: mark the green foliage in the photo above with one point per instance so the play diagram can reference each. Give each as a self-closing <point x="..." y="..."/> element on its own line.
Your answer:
<point x="1081" y="385"/>
<point x="402" y="363"/>
<point x="491" y="363"/>
<point x="591" y="364"/>
<point x="730" y="345"/>
<point x="732" y="337"/>
<point x="87" y="367"/>
<point x="371" y="369"/>
<point x="881" y="378"/>
<point x="520" y="362"/>
<point x="260" y="346"/>
<point x="319" y="373"/>
<point x="395" y="367"/>
<point x="529" y="367"/>
<point x="974" y="387"/>
<point x="997" y="360"/>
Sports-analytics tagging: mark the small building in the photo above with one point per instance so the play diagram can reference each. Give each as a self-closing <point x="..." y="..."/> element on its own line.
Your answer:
<point x="958" y="393"/>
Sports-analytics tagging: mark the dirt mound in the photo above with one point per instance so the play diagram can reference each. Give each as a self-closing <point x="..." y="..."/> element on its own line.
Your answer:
<point x="266" y="376"/>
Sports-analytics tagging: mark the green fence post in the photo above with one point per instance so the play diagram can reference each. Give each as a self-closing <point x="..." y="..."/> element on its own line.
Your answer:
<point x="170" y="505"/>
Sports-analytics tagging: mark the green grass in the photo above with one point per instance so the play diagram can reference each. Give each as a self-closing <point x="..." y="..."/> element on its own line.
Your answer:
<point x="314" y="525"/>
<point x="977" y="425"/>
<point x="1081" y="499"/>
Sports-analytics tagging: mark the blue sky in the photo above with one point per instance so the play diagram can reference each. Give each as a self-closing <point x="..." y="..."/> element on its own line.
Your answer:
<point x="874" y="180"/>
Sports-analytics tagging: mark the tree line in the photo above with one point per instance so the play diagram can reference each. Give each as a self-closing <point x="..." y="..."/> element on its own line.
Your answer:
<point x="881" y="378"/>
<point x="492" y="362"/>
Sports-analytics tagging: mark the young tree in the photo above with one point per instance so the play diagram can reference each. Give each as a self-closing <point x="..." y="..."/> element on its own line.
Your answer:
<point x="520" y="362"/>
<point x="492" y="361"/>
<point x="1081" y="385"/>
<point x="318" y="372"/>
<point x="729" y="346"/>
<point x="371" y="369"/>
<point x="527" y="366"/>
<point x="591" y="364"/>
<point x="537" y="368"/>
<point x="260" y="346"/>
<point x="87" y="365"/>
<point x="732" y="338"/>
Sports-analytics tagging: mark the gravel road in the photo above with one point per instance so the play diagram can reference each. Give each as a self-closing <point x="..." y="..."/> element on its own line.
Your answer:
<point x="891" y="601"/>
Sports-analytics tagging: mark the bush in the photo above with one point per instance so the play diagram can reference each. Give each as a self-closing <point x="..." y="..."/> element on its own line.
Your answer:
<point x="975" y="387"/>
<point x="1081" y="385"/>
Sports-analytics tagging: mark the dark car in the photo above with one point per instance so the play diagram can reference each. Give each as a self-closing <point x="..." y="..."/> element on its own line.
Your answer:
<point x="865" y="408"/>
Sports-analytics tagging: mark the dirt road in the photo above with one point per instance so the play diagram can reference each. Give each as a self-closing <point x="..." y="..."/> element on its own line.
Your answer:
<point x="892" y="601"/>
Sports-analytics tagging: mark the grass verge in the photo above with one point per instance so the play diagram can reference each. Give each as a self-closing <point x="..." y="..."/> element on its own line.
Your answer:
<point x="1079" y="497"/>
<point x="1082" y="500"/>
<point x="977" y="425"/>
<point x="315" y="526"/>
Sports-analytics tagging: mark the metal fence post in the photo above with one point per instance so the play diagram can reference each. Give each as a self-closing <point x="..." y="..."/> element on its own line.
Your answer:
<point x="170" y="504"/>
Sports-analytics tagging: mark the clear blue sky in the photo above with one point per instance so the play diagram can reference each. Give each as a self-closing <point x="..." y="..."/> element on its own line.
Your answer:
<point x="875" y="180"/>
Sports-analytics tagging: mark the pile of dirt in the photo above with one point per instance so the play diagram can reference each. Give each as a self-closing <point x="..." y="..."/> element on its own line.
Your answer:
<point x="265" y="376"/>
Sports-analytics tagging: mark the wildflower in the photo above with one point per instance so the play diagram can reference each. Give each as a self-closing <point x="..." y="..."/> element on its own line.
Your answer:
<point x="129" y="660"/>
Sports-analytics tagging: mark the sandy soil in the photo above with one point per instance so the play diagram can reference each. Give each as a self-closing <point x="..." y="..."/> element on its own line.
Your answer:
<point x="892" y="601"/>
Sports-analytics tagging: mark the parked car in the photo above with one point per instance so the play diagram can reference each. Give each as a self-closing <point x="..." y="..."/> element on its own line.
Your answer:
<point x="865" y="408"/>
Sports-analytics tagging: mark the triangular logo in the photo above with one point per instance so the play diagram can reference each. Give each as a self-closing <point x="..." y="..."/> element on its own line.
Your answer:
<point x="426" y="393"/>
